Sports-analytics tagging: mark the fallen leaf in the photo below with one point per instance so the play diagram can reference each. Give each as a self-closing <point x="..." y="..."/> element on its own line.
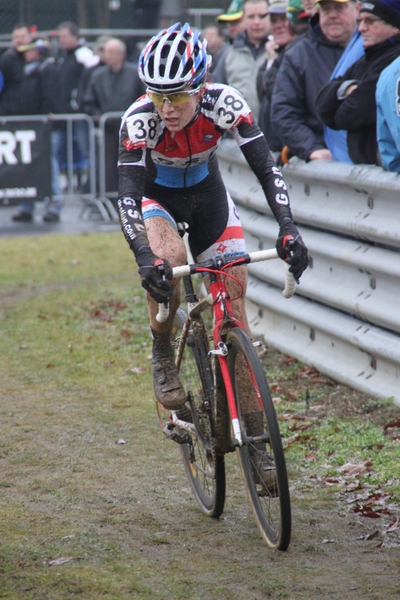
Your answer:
<point x="352" y="470"/>
<point x="126" y="334"/>
<point x="59" y="561"/>
<point x="391" y="424"/>
<point x="311" y="456"/>
<point x="136" y="370"/>
<point x="110" y="363"/>
<point x="292" y="440"/>
<point x="292" y="394"/>
<point x="393" y="526"/>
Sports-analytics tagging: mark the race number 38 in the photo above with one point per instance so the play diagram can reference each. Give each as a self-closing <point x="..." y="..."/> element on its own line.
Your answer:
<point x="231" y="109"/>
<point x="141" y="129"/>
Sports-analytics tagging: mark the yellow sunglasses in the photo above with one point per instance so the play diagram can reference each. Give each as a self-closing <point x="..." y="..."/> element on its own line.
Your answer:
<point x="175" y="99"/>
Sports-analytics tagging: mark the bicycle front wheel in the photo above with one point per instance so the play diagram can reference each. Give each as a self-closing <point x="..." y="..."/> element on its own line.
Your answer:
<point x="261" y="455"/>
<point x="204" y="467"/>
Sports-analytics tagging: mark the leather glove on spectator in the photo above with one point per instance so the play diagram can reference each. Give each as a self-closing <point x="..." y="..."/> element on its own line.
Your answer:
<point x="159" y="289"/>
<point x="291" y="249"/>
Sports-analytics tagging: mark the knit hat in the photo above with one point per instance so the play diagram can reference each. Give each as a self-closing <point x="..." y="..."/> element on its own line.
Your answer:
<point x="294" y="11"/>
<point x="234" y="12"/>
<point x="388" y="10"/>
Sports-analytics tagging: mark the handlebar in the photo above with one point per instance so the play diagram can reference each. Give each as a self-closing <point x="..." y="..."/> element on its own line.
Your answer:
<point x="218" y="263"/>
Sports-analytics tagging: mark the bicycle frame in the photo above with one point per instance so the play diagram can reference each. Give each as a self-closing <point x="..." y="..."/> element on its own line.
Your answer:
<point x="223" y="318"/>
<point x="228" y="404"/>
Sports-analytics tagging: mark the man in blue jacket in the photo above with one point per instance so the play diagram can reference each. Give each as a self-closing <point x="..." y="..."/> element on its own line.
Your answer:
<point x="388" y="116"/>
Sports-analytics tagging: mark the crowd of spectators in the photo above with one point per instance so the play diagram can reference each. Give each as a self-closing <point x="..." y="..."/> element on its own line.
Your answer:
<point x="320" y="94"/>
<point x="322" y="78"/>
<point x="38" y="78"/>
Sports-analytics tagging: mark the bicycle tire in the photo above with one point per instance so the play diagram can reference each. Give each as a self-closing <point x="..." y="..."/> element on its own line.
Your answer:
<point x="270" y="503"/>
<point x="205" y="468"/>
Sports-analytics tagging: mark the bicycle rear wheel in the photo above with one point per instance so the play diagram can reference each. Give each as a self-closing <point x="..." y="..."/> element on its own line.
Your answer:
<point x="204" y="467"/>
<point x="267" y="488"/>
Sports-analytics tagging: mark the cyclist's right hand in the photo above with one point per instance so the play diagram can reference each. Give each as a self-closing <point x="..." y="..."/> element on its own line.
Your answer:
<point x="152" y="276"/>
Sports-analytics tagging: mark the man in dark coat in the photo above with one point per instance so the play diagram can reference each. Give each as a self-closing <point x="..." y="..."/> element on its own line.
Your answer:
<point x="283" y="34"/>
<point x="304" y="69"/>
<point x="38" y="95"/>
<point x="12" y="64"/>
<point x="112" y="88"/>
<point x="348" y="102"/>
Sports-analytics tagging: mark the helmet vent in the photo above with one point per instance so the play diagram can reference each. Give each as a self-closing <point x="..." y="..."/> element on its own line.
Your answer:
<point x="188" y="67"/>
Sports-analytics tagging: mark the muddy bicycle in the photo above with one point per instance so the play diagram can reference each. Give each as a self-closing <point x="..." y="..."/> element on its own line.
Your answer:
<point x="229" y="407"/>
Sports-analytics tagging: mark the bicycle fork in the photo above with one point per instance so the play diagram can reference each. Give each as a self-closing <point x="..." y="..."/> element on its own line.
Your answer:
<point x="230" y="396"/>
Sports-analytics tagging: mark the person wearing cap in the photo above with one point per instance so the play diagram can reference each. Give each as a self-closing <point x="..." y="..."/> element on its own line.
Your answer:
<point x="304" y="70"/>
<point x="348" y="102"/>
<point x="12" y="64"/>
<point x="388" y="116"/>
<point x="283" y="34"/>
<point x="247" y="54"/>
<point x="298" y="16"/>
<point x="232" y="19"/>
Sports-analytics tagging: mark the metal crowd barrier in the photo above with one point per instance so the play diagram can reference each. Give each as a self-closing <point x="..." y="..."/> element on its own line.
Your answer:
<point x="96" y="201"/>
<point x="344" y="318"/>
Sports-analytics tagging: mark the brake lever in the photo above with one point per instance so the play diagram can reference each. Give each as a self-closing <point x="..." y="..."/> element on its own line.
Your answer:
<point x="163" y="307"/>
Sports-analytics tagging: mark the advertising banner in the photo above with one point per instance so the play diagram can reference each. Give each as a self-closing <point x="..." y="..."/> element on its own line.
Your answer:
<point x="25" y="161"/>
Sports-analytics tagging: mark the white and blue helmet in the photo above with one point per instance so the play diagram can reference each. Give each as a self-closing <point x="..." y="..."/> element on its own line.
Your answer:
<point x="174" y="59"/>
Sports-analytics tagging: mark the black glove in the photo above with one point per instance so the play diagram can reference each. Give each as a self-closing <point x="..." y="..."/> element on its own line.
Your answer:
<point x="159" y="289"/>
<point x="291" y="249"/>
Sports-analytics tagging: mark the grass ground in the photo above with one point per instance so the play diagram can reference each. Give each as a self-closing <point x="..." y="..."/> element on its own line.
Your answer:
<point x="93" y="500"/>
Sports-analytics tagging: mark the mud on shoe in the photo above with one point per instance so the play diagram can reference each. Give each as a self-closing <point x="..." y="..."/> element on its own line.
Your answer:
<point x="264" y="471"/>
<point x="167" y="386"/>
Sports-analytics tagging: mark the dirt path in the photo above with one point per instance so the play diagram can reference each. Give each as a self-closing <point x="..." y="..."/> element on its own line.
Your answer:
<point x="123" y="517"/>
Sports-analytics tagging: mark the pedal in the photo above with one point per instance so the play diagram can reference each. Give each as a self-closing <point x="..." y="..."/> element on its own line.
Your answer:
<point x="171" y="433"/>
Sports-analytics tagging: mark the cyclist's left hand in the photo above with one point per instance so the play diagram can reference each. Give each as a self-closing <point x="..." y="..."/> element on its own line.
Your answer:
<point x="291" y="249"/>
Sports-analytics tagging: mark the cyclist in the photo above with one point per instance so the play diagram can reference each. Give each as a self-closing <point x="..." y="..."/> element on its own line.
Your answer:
<point x="168" y="174"/>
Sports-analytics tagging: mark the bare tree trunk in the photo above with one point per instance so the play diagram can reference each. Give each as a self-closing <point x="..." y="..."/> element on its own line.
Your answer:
<point x="102" y="14"/>
<point x="81" y="12"/>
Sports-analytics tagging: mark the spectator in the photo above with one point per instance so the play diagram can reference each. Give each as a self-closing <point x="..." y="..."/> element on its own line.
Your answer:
<point x="348" y="102"/>
<point x="38" y="94"/>
<point x="283" y="34"/>
<point x="298" y="16"/>
<point x="304" y="69"/>
<point x="388" y="116"/>
<point x="217" y="46"/>
<point x="71" y="63"/>
<point x="336" y="140"/>
<point x="113" y="87"/>
<point x="98" y="50"/>
<point x="247" y="54"/>
<point x="232" y="19"/>
<point x="12" y="64"/>
<point x="309" y="8"/>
